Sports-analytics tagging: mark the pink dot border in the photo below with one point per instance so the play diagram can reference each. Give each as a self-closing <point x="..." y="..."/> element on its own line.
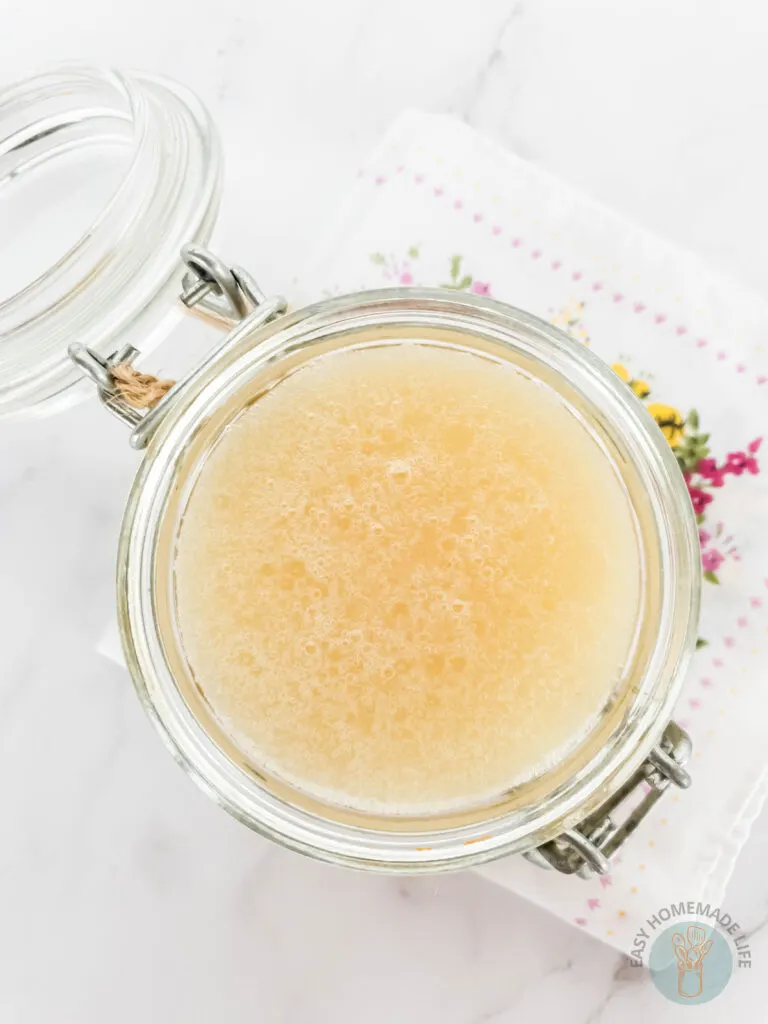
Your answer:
<point x="656" y="318"/>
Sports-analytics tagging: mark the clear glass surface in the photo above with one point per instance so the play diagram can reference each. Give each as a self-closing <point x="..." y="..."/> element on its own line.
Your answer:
<point x="633" y="717"/>
<point x="104" y="176"/>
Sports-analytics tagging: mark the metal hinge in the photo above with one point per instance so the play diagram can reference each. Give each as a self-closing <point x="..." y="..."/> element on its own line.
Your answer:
<point x="227" y="295"/>
<point x="586" y="849"/>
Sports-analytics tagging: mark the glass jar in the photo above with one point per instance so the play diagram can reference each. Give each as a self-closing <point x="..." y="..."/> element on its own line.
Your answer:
<point x="572" y="816"/>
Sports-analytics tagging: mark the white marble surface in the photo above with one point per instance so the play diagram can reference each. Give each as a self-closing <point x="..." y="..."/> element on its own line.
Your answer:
<point x="124" y="894"/>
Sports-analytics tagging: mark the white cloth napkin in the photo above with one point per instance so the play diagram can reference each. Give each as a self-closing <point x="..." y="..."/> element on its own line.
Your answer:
<point x="438" y="204"/>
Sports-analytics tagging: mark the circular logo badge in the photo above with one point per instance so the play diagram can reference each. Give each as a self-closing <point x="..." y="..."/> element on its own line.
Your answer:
<point x="690" y="962"/>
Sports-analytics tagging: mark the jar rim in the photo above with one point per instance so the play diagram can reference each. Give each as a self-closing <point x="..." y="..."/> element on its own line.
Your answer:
<point x="114" y="284"/>
<point x="426" y="845"/>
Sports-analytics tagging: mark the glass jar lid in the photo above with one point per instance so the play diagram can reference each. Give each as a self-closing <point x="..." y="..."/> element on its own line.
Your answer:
<point x="104" y="175"/>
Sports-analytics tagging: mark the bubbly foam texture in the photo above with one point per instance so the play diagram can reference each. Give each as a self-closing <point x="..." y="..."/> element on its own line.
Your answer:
<point x="406" y="578"/>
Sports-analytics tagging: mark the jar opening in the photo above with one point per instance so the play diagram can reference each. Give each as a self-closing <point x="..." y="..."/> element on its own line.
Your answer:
<point x="415" y="553"/>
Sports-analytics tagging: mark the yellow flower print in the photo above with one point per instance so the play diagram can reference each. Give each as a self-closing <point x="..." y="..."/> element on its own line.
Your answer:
<point x="640" y="387"/>
<point x="669" y="419"/>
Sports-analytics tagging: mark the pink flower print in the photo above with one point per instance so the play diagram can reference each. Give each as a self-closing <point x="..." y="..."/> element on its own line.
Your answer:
<point x="737" y="462"/>
<point x="709" y="469"/>
<point x="712" y="560"/>
<point x="699" y="498"/>
<point x="406" y="277"/>
<point x="754" y="447"/>
<point x="704" y="538"/>
<point x="480" y="288"/>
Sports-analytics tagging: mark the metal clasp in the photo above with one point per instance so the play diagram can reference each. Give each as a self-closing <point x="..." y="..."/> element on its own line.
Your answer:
<point x="227" y="295"/>
<point x="586" y="849"/>
<point x="99" y="370"/>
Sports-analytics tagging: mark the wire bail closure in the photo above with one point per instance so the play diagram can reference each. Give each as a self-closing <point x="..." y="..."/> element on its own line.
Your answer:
<point x="229" y="293"/>
<point x="587" y="848"/>
<point x="226" y="295"/>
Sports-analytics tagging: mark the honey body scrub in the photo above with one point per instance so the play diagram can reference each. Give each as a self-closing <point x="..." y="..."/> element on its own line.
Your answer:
<point x="407" y="577"/>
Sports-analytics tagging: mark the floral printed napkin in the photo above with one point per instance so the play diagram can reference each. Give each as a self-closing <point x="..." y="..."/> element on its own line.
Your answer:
<point x="438" y="204"/>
